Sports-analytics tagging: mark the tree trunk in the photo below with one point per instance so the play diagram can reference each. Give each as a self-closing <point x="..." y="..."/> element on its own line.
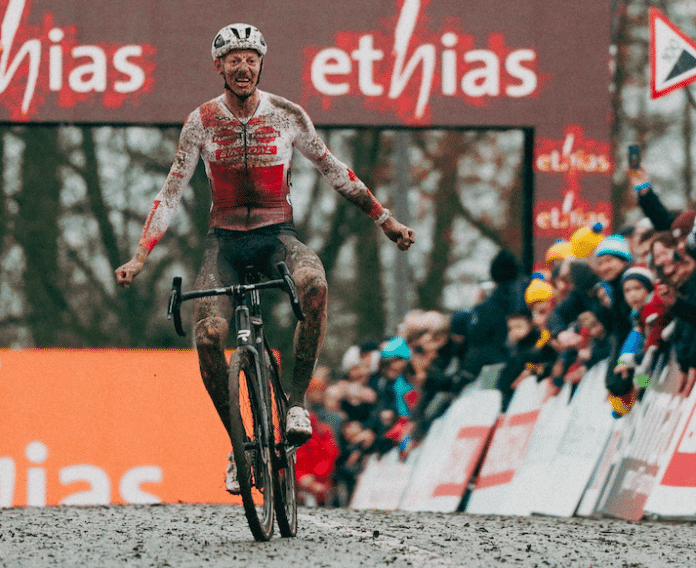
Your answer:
<point x="369" y="301"/>
<point x="37" y="232"/>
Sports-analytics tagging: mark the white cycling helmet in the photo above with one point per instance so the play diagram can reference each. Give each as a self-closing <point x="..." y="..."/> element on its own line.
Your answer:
<point x="238" y="36"/>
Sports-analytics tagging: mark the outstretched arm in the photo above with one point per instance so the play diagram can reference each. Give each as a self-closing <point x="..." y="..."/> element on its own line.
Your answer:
<point x="166" y="201"/>
<point x="345" y="182"/>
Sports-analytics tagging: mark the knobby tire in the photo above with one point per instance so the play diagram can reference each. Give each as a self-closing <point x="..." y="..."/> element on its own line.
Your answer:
<point x="252" y="454"/>
<point x="284" y="490"/>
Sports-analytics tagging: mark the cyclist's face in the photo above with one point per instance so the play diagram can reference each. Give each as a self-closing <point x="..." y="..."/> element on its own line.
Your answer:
<point x="241" y="69"/>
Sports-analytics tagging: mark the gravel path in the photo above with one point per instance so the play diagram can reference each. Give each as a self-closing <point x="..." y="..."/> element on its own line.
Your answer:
<point x="184" y="536"/>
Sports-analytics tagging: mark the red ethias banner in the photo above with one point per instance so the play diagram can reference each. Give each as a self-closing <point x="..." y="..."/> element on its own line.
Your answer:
<point x="400" y="66"/>
<point x="575" y="155"/>
<point x="579" y="160"/>
<point x="559" y="219"/>
<point x="38" y="62"/>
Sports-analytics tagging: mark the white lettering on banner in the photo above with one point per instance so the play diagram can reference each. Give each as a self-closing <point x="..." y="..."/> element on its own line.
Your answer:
<point x="99" y="492"/>
<point x="100" y="485"/>
<point x="571" y="159"/>
<point x="424" y="53"/>
<point x="112" y="71"/>
<point x="478" y="73"/>
<point x="129" y="486"/>
<point x="30" y="49"/>
<point x="36" y="453"/>
<point x="8" y="476"/>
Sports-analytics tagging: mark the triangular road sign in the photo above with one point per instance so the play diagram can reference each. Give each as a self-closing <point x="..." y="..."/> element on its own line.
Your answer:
<point x="672" y="56"/>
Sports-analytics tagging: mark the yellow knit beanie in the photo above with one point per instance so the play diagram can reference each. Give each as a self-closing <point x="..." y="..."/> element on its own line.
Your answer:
<point x="585" y="240"/>
<point x="560" y="250"/>
<point x="538" y="291"/>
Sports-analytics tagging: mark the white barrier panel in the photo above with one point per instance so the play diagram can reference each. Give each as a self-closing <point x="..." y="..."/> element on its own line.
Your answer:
<point x="647" y="437"/>
<point x="507" y="448"/>
<point x="590" y="503"/>
<point x="530" y="485"/>
<point x="450" y="453"/>
<point x="383" y="481"/>
<point x="675" y="494"/>
<point x="580" y="447"/>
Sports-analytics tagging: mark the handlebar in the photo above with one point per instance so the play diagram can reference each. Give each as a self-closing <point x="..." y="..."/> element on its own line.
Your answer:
<point x="177" y="297"/>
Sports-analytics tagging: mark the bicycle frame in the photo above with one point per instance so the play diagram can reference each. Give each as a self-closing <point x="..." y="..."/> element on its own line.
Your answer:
<point x="249" y="328"/>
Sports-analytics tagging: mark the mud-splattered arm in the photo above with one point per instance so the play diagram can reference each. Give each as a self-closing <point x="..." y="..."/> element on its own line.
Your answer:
<point x="336" y="173"/>
<point x="166" y="201"/>
<point x="164" y="204"/>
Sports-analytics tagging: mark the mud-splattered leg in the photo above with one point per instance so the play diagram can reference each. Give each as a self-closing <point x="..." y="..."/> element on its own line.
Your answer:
<point x="211" y="334"/>
<point x="309" y="335"/>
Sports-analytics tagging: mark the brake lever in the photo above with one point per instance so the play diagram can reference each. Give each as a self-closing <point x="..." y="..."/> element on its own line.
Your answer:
<point x="174" y="307"/>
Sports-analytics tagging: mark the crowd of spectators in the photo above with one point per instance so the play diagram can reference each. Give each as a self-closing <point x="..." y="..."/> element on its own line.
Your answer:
<point x="629" y="297"/>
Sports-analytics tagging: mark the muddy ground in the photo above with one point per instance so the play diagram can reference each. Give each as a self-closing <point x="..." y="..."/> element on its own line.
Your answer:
<point x="184" y="536"/>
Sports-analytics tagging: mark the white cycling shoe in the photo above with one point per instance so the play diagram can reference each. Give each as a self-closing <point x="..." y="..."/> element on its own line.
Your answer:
<point x="298" y="427"/>
<point x="231" y="483"/>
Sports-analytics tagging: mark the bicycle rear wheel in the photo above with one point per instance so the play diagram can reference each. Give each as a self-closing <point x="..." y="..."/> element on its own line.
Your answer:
<point x="284" y="490"/>
<point x="252" y="453"/>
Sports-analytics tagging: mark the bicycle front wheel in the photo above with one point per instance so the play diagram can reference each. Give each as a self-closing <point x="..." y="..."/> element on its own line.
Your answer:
<point x="251" y="444"/>
<point x="284" y="490"/>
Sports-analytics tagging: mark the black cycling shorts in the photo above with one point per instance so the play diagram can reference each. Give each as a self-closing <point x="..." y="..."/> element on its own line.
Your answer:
<point x="228" y="253"/>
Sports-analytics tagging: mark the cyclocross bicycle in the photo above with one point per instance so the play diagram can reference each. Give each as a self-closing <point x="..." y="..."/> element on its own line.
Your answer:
<point x="258" y="404"/>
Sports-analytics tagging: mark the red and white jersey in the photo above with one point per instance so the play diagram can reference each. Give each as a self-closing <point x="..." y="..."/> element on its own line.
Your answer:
<point x="248" y="165"/>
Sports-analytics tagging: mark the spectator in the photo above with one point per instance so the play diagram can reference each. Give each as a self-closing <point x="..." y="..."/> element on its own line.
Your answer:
<point x="677" y="289"/>
<point x="586" y="344"/>
<point x="356" y="399"/>
<point x="390" y="384"/>
<point x="613" y="257"/>
<point x="445" y="378"/>
<point x="640" y="241"/>
<point x="649" y="315"/>
<point x="561" y="281"/>
<point x="522" y="341"/>
<point x="540" y="299"/>
<point x="649" y="320"/>
<point x="487" y="326"/>
<point x="315" y="465"/>
<point x="316" y="399"/>
<point x="557" y="253"/>
<point x="583" y="297"/>
<point x="681" y="228"/>
<point x="648" y="200"/>
<point x="356" y="444"/>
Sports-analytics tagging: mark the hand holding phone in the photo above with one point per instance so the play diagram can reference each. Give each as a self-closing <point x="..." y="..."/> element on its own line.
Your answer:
<point x="634" y="156"/>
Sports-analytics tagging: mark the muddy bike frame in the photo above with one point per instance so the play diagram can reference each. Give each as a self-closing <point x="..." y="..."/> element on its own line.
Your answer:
<point x="258" y="403"/>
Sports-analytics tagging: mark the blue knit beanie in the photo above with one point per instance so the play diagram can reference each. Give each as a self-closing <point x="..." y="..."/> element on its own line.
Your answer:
<point x="396" y="347"/>
<point x="615" y="245"/>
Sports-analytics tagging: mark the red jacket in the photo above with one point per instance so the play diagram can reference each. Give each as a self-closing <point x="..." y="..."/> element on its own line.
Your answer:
<point x="318" y="455"/>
